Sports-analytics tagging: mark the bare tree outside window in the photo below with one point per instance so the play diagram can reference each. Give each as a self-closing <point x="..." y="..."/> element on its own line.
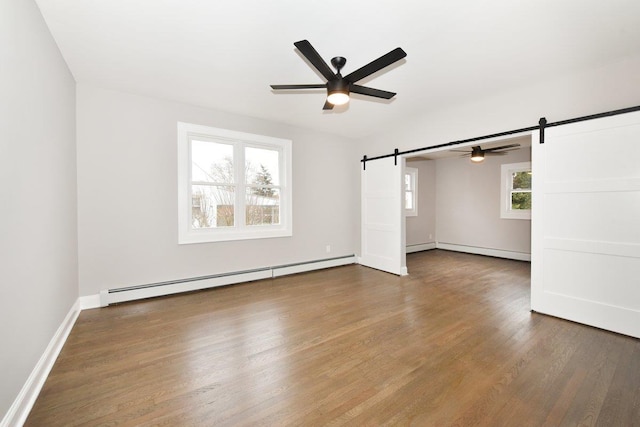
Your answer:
<point x="213" y="205"/>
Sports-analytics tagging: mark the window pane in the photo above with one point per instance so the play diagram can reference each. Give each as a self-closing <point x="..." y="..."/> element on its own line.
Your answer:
<point x="408" y="200"/>
<point x="263" y="206"/>
<point x="262" y="166"/>
<point x="212" y="206"/>
<point x="211" y="162"/>
<point x="520" y="200"/>
<point x="407" y="182"/>
<point x="521" y="180"/>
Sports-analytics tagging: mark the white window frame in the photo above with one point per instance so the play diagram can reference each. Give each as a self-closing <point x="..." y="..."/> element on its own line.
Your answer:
<point x="186" y="233"/>
<point x="506" y="182"/>
<point x="413" y="174"/>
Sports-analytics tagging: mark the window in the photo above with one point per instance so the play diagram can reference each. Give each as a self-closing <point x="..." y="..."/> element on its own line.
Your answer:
<point x="232" y="185"/>
<point x="515" y="200"/>
<point x="411" y="191"/>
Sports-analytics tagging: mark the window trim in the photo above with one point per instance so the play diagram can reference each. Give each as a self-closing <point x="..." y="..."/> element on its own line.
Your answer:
<point x="186" y="233"/>
<point x="413" y="173"/>
<point x="505" y="191"/>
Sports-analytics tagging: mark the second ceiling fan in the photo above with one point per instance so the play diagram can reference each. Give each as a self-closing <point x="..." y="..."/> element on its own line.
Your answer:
<point x="477" y="153"/>
<point x="339" y="87"/>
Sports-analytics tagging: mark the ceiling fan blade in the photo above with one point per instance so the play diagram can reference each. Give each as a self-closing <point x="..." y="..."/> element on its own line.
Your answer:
<point x="327" y="106"/>
<point x="506" y="150"/>
<point x="501" y="147"/>
<point x="461" y="151"/>
<point x="314" y="57"/>
<point x="362" y="90"/>
<point x="310" y="86"/>
<point x="495" y="153"/>
<point x="376" y="65"/>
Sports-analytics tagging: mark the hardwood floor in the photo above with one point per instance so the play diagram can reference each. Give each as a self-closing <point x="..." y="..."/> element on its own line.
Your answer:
<point x="454" y="343"/>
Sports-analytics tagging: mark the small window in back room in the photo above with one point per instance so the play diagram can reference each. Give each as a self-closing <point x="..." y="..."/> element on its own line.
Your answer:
<point x="411" y="192"/>
<point x="515" y="190"/>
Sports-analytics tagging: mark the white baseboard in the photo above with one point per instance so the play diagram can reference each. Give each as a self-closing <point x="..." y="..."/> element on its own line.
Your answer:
<point x="19" y="410"/>
<point x="131" y="294"/>
<point x="421" y="247"/>
<point x="113" y="296"/>
<point x="498" y="253"/>
<point x="89" y="301"/>
<point x="310" y="266"/>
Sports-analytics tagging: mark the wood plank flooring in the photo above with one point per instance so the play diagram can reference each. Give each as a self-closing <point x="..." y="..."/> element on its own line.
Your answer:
<point x="454" y="343"/>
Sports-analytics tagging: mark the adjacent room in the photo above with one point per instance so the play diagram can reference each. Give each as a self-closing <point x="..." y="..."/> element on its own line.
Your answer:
<point x="280" y="213"/>
<point x="460" y="204"/>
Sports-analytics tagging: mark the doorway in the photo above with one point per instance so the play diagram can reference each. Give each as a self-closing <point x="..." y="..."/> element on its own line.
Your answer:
<point x="384" y="222"/>
<point x="459" y="202"/>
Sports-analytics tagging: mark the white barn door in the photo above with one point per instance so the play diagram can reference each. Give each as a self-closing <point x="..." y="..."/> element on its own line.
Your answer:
<point x="382" y="222"/>
<point x="586" y="223"/>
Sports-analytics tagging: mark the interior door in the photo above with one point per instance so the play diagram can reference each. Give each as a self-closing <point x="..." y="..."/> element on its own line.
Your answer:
<point x="586" y="223"/>
<point x="383" y="221"/>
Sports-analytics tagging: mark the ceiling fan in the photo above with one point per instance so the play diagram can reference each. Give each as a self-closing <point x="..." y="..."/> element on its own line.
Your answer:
<point x="339" y="87"/>
<point x="477" y="153"/>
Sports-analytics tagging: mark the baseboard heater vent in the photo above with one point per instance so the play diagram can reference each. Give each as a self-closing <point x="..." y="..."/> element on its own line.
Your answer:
<point x="130" y="293"/>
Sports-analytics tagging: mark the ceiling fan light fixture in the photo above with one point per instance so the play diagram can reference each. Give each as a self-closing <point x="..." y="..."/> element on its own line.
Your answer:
<point x="477" y="155"/>
<point x="338" y="98"/>
<point x="338" y="92"/>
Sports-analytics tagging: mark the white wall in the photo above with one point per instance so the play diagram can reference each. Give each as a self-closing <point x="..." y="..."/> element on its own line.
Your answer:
<point x="468" y="204"/>
<point x="38" y="238"/>
<point x="127" y="194"/>
<point x="421" y="229"/>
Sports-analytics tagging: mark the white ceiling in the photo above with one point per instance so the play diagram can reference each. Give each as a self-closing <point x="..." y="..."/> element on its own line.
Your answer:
<point x="225" y="54"/>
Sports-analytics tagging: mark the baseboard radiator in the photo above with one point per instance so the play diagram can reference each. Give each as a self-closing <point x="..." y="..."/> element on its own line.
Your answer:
<point x="131" y="293"/>
<point x="498" y="253"/>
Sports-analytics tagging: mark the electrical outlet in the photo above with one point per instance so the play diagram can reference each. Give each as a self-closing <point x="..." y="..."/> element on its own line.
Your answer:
<point x="328" y="248"/>
<point x="430" y="236"/>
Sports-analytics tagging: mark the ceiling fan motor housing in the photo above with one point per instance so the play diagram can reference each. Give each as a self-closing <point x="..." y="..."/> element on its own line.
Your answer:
<point x="337" y="91"/>
<point x="338" y="85"/>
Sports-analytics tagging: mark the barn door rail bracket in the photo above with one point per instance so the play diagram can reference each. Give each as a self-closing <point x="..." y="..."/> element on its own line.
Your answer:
<point x="542" y="125"/>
